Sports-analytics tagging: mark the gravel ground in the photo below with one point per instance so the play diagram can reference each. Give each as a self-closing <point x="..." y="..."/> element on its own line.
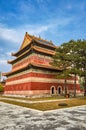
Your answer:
<point x="14" y="117"/>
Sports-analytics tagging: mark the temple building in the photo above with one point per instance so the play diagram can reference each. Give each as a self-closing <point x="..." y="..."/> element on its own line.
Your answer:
<point x="32" y="73"/>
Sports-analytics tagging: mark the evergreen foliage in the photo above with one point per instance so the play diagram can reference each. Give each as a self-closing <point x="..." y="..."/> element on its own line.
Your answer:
<point x="61" y="62"/>
<point x="1" y="88"/>
<point x="71" y="59"/>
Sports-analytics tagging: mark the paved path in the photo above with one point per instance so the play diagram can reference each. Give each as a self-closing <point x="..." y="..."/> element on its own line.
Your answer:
<point x="14" y="117"/>
<point x="29" y="101"/>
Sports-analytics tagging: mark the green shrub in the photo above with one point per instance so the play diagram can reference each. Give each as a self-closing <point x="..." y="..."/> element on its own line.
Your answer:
<point x="1" y="88"/>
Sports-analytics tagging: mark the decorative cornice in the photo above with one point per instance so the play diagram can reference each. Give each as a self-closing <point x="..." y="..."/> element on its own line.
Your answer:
<point x="33" y="47"/>
<point x="31" y="65"/>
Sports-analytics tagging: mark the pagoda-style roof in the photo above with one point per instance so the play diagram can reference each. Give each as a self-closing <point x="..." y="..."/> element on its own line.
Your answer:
<point x="33" y="65"/>
<point x="45" y="67"/>
<point x="36" y="48"/>
<point x="46" y="51"/>
<point x="28" y="39"/>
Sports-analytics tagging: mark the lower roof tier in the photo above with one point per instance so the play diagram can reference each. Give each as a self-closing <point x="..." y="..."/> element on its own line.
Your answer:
<point x="32" y="65"/>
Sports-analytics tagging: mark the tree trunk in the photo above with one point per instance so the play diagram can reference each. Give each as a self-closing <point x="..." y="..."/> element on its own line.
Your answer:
<point x="65" y="84"/>
<point x="85" y="85"/>
<point x="75" y="85"/>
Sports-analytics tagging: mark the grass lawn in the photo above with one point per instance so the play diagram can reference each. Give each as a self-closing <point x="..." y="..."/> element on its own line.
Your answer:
<point x="49" y="105"/>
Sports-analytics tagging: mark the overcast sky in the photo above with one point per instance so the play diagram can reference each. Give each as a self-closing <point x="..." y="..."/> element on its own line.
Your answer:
<point x="56" y="20"/>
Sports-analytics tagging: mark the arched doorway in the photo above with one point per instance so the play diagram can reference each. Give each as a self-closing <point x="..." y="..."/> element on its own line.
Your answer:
<point x="59" y="90"/>
<point x="52" y="90"/>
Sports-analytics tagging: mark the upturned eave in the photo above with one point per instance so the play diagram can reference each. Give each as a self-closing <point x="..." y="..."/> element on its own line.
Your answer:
<point x="34" y="65"/>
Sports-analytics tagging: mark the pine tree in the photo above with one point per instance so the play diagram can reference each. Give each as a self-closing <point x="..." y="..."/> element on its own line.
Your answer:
<point x="77" y="58"/>
<point x="81" y="60"/>
<point x="71" y="59"/>
<point x="60" y="61"/>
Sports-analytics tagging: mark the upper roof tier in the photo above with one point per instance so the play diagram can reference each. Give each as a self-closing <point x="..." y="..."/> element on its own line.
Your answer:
<point x="38" y="49"/>
<point x="30" y="38"/>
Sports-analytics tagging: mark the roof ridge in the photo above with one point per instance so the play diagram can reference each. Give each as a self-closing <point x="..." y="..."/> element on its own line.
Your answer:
<point x="39" y="38"/>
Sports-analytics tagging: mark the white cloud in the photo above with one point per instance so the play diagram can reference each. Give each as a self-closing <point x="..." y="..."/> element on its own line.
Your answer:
<point x="1" y="49"/>
<point x="37" y="29"/>
<point x="4" y="66"/>
<point x="3" y="61"/>
<point x="15" y="35"/>
<point x="4" y="56"/>
<point x="9" y="34"/>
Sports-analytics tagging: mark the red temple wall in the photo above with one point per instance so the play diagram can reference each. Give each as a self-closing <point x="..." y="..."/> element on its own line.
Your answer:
<point x="32" y="59"/>
<point x="37" y="88"/>
<point x="14" y="85"/>
<point x="18" y="87"/>
<point x="34" y="74"/>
